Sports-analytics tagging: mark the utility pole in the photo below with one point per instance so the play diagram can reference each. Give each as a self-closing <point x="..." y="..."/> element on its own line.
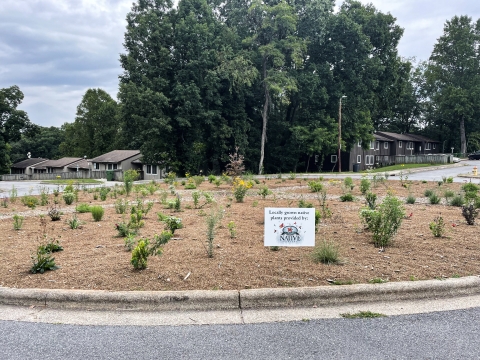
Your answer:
<point x="340" y="134"/>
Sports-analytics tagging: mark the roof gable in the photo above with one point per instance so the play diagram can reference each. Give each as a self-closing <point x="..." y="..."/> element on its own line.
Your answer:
<point x="116" y="156"/>
<point x="28" y="162"/>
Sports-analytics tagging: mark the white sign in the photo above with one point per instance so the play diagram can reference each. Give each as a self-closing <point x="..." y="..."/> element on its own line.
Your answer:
<point x="289" y="227"/>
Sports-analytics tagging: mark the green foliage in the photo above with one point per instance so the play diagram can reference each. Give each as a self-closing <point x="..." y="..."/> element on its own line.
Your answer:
<point x="447" y="195"/>
<point x="315" y="186"/>
<point x="74" y="223"/>
<point x="140" y="255"/>
<point x="17" y="222"/>
<point x="68" y="197"/>
<point x="437" y="226"/>
<point x="211" y="178"/>
<point x="347" y="197"/>
<point x="54" y="213"/>
<point x="434" y="199"/>
<point x="470" y="187"/>
<point x="30" y="201"/>
<point x="97" y="212"/>
<point x="371" y="199"/>
<point x="428" y="192"/>
<point x="348" y="183"/>
<point x="304" y="204"/>
<point x="364" y="185"/>
<point x="326" y="253"/>
<point x="457" y="201"/>
<point x="129" y="177"/>
<point x="171" y="222"/>
<point x="42" y="262"/>
<point x="82" y="208"/>
<point x="121" y="206"/>
<point x="264" y="191"/>
<point x="13" y="194"/>
<point x="232" y="229"/>
<point x="212" y="220"/>
<point x="170" y="178"/>
<point x="410" y="199"/>
<point x="129" y="241"/>
<point x="104" y="193"/>
<point x="385" y="221"/>
<point x="190" y="186"/>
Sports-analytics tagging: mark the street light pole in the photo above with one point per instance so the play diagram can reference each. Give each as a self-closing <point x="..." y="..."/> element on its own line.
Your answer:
<point x="340" y="134"/>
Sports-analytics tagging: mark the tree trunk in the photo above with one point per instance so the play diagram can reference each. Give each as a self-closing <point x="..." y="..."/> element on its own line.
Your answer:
<point x="264" y="117"/>
<point x="463" y="139"/>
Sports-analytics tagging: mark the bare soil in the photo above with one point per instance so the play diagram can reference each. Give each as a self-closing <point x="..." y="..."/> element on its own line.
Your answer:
<point x="94" y="257"/>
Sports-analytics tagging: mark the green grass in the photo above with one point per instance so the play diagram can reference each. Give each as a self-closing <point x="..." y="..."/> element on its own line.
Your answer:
<point x="362" y="315"/>
<point x="71" y="181"/>
<point x="399" y="167"/>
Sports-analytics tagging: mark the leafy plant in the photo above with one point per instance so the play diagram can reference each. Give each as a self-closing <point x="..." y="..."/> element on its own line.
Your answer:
<point x="211" y="178"/>
<point x="172" y="223"/>
<point x="371" y="199"/>
<point x="428" y="192"/>
<point x="240" y="188"/>
<point x="54" y="213"/>
<point x="42" y="261"/>
<point x="74" y="223"/>
<point x="315" y="186"/>
<point x="140" y="255"/>
<point x="326" y="253"/>
<point x="457" y="201"/>
<point x="347" y="197"/>
<point x="410" y="199"/>
<point x="448" y="194"/>
<point x="322" y="199"/>
<point x="129" y="241"/>
<point x="470" y="213"/>
<point x="385" y="221"/>
<point x="434" y="199"/>
<point x="264" y="191"/>
<point x="235" y="167"/>
<point x="437" y="226"/>
<point x="348" y="183"/>
<point x="196" y="197"/>
<point x="304" y="204"/>
<point x="4" y="201"/>
<point x="129" y="177"/>
<point x="17" y="222"/>
<point x="121" y="206"/>
<point x="190" y="186"/>
<point x="82" y="208"/>
<point x="30" y="201"/>
<point x="97" y="212"/>
<point x="43" y="195"/>
<point x="470" y="187"/>
<point x="104" y="193"/>
<point x="364" y="185"/>
<point x="212" y="219"/>
<point x="232" y="229"/>
<point x="68" y="197"/>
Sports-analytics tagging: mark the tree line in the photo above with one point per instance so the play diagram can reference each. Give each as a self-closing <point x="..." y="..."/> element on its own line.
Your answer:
<point x="206" y="77"/>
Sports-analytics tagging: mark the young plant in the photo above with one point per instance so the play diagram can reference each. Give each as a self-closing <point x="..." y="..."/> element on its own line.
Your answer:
<point x="410" y="199"/>
<point x="315" y="186"/>
<point x="82" y="208"/>
<point x="364" y="185"/>
<point x="144" y="249"/>
<point x="211" y="178"/>
<point x="104" y="193"/>
<point x="42" y="261"/>
<point x="4" y="202"/>
<point x="240" y="188"/>
<point x="347" y="197"/>
<point x="212" y="220"/>
<point x="371" y="199"/>
<point x="348" y="183"/>
<point x="264" y="191"/>
<point x="457" y="201"/>
<point x="173" y="223"/>
<point x="437" y="226"/>
<point x="448" y="194"/>
<point x="121" y="206"/>
<point x="326" y="253"/>
<point x="30" y="201"/>
<point x="428" y="192"/>
<point x="54" y="213"/>
<point x="13" y="194"/>
<point x="68" y="197"/>
<point x="434" y="199"/>
<point x="469" y="212"/>
<point x="97" y="212"/>
<point x="129" y="177"/>
<point x="235" y="166"/>
<point x="232" y="228"/>
<point x="74" y="223"/>
<point x="17" y="222"/>
<point x="129" y="242"/>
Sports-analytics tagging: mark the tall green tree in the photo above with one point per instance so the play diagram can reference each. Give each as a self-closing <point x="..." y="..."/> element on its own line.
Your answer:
<point x="95" y="128"/>
<point x="453" y="77"/>
<point x="44" y="142"/>
<point x="13" y="122"/>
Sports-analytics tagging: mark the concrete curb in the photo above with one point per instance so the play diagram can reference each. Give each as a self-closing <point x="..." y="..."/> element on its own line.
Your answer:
<point x="243" y="299"/>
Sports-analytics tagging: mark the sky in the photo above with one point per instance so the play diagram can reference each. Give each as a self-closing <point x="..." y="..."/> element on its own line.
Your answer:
<point x="55" y="50"/>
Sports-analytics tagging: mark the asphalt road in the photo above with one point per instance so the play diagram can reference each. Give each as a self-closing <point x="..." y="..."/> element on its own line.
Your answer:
<point x="438" y="335"/>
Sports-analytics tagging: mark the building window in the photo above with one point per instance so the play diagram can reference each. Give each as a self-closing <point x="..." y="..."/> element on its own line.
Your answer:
<point x="377" y="145"/>
<point x="372" y="145"/>
<point x="96" y="166"/>
<point x="385" y="145"/>
<point x="434" y="146"/>
<point x="400" y="144"/>
<point x="333" y="158"/>
<point x="428" y="146"/>
<point x="359" y="159"/>
<point x="152" y="169"/>
<point x="369" y="159"/>
<point x="359" y="143"/>
<point x="112" y="167"/>
<point x="410" y="145"/>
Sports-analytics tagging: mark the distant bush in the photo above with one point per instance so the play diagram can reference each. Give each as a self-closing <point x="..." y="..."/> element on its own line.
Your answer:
<point x="97" y="212"/>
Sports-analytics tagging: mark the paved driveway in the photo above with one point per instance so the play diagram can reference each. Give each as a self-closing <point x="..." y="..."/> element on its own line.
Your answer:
<point x="33" y="187"/>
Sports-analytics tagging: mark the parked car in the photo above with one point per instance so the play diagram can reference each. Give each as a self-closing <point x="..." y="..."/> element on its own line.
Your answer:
<point x="474" y="156"/>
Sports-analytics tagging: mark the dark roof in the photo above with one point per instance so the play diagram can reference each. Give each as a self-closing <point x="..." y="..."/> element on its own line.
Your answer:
<point x="82" y="164"/>
<point x="381" y="138"/>
<point x="28" y="162"/>
<point x="423" y="138"/>
<point x="395" y="136"/>
<point x="60" y="163"/>
<point x="116" y="156"/>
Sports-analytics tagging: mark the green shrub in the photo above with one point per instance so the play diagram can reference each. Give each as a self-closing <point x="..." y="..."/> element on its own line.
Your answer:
<point x="54" y="213"/>
<point x="30" y="201"/>
<point x="371" y="199"/>
<point x="410" y="199"/>
<point x="104" y="192"/>
<point x="348" y="183"/>
<point x="129" y="177"/>
<point x="364" y="185"/>
<point x="304" y="204"/>
<point x="17" y="222"/>
<point x="42" y="262"/>
<point x="198" y="180"/>
<point x="129" y="242"/>
<point x="140" y="255"/>
<point x="211" y="178"/>
<point x="74" y="223"/>
<point x="82" y="208"/>
<point x="172" y="223"/>
<point x="448" y="194"/>
<point x="470" y="187"/>
<point x="434" y="199"/>
<point x="457" y="201"/>
<point x="347" y="197"/>
<point x="326" y="253"/>
<point x="190" y="186"/>
<point x="315" y="186"/>
<point x="212" y="220"/>
<point x="428" y="192"/>
<point x="437" y="226"/>
<point x="232" y="229"/>
<point x="385" y="221"/>
<point x="121" y="206"/>
<point x="68" y="197"/>
<point x="450" y="180"/>
<point x="97" y="212"/>
<point x="264" y="191"/>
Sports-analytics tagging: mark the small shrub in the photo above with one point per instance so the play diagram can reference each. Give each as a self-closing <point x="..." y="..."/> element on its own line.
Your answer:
<point x="232" y="229"/>
<point x="371" y="199"/>
<point x="13" y="194"/>
<point x="129" y="242"/>
<point x="304" y="204"/>
<point x="326" y="253"/>
<point x="43" y="196"/>
<point x="437" y="226"/>
<point x="4" y="202"/>
<point x="129" y="177"/>
<point x="410" y="199"/>
<point x="364" y="185"/>
<point x="450" y="180"/>
<point x="470" y="187"/>
<point x="469" y="212"/>
<point x="30" y="201"/>
<point x="140" y="255"/>
<point x="448" y="194"/>
<point x="97" y="212"/>
<point x="428" y="192"/>
<point x="197" y="180"/>
<point x="212" y="219"/>
<point x="104" y="192"/>
<point x="74" y="223"/>
<point x="217" y="182"/>
<point x="42" y="262"/>
<point x="173" y="223"/>
<point x="235" y="166"/>
<point x="121" y="206"/>
<point x="347" y="197"/>
<point x="348" y="183"/>
<point x="54" y="214"/>
<point x="434" y="199"/>
<point x="177" y="204"/>
<point x="264" y="191"/>
<point x="457" y="201"/>
<point x="82" y="208"/>
<point x="240" y="188"/>
<point x="211" y="178"/>
<point x="190" y="186"/>
<point x="68" y="197"/>
<point x="17" y="222"/>
<point x="315" y="186"/>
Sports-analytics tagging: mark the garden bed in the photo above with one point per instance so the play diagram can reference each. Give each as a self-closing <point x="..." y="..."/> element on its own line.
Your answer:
<point x="94" y="257"/>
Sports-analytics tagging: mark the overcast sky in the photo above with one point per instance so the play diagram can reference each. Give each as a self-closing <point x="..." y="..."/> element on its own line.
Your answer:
<point x="55" y="50"/>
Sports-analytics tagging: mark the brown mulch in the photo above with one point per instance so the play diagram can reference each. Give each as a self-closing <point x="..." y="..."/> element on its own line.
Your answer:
<point x="95" y="258"/>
